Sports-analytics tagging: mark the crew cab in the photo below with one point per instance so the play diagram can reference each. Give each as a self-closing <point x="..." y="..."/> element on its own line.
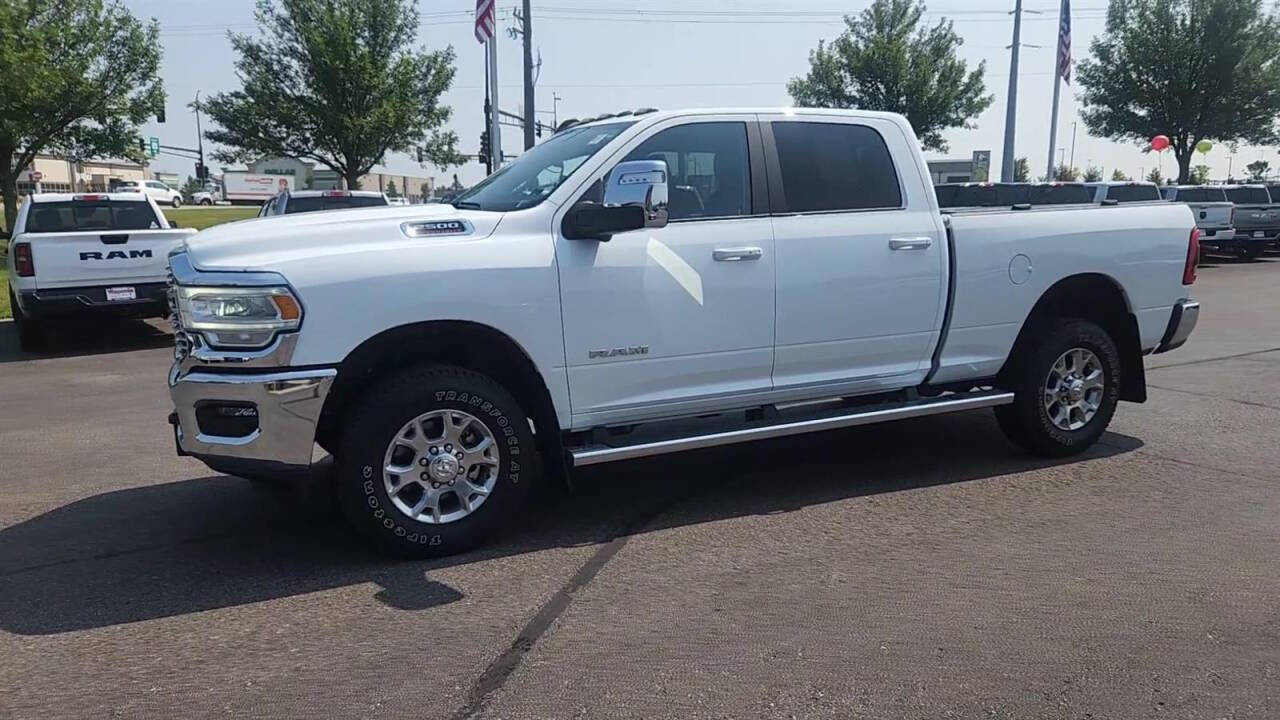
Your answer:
<point x="83" y="254"/>
<point x="1257" y="218"/>
<point x="300" y="201"/>
<point x="1215" y="215"/>
<point x="651" y="283"/>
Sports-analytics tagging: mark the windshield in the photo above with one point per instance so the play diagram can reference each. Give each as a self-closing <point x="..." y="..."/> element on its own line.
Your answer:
<point x="1132" y="193"/>
<point x="537" y="173"/>
<point x="1248" y="196"/>
<point x="312" y="204"/>
<point x="78" y="215"/>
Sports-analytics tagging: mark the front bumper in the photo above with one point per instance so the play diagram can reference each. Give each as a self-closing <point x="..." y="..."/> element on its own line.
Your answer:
<point x="286" y="404"/>
<point x="151" y="301"/>
<point x="1181" y="322"/>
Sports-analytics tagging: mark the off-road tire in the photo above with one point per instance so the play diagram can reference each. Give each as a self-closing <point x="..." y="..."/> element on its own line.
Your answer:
<point x="372" y="423"/>
<point x="1026" y="422"/>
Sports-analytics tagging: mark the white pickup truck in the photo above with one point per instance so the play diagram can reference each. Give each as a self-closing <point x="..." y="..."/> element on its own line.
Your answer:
<point x="85" y="254"/>
<point x="654" y="283"/>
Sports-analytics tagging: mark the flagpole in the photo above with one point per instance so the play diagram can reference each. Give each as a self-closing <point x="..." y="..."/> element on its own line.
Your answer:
<point x="495" y="131"/>
<point x="1053" y="121"/>
<point x="1061" y="71"/>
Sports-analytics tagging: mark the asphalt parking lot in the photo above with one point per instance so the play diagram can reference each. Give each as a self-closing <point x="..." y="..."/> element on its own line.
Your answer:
<point x="918" y="569"/>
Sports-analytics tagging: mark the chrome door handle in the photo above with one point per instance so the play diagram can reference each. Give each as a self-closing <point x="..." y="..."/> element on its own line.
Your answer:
<point x="915" y="243"/>
<point x="736" y="254"/>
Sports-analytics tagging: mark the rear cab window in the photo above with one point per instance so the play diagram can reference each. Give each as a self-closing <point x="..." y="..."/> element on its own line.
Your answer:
<point x="1201" y="195"/>
<point x="336" y="202"/>
<point x="832" y="167"/>
<point x="88" y="215"/>
<point x="1059" y="195"/>
<point x="1132" y="193"/>
<point x="1248" y="196"/>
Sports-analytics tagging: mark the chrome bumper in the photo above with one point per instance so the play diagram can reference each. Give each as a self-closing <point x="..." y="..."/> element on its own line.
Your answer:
<point x="1183" y="320"/>
<point x="288" y="408"/>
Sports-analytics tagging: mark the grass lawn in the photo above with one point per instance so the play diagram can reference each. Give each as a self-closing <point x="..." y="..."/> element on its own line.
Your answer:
<point x="201" y="218"/>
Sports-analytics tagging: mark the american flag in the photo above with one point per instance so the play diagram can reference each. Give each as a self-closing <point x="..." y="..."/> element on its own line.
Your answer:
<point x="485" y="21"/>
<point x="1064" y="41"/>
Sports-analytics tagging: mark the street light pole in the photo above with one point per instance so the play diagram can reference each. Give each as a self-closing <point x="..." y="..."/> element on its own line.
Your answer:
<point x="1073" y="143"/>
<point x="1011" y="109"/>
<point x="199" y="137"/>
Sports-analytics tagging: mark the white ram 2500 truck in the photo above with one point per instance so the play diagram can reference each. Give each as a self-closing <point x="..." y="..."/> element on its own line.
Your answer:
<point x="652" y="283"/>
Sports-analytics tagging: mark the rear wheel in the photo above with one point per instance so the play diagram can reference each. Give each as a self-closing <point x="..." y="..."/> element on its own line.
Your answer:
<point x="176" y="201"/>
<point x="30" y="332"/>
<point x="434" y="460"/>
<point x="1066" y="388"/>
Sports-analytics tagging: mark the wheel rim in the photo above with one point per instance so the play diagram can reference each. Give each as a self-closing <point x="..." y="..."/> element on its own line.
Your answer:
<point x="1074" y="388"/>
<point x="441" y="466"/>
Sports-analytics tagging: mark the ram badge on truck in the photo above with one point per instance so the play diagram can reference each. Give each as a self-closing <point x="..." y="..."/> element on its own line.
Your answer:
<point x="652" y="283"/>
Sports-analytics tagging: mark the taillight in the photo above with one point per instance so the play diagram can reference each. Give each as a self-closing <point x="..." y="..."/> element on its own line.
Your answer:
<point x="22" y="261"/>
<point x="1193" y="258"/>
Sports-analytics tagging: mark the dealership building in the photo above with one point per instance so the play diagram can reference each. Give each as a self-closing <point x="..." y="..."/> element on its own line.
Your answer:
<point x="55" y="174"/>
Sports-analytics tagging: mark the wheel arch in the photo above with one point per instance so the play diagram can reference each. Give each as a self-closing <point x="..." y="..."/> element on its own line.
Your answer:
<point x="1099" y="298"/>
<point x="471" y="345"/>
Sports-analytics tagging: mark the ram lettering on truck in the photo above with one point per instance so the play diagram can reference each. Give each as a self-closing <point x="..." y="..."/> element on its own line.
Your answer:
<point x="116" y="255"/>
<point x="652" y="283"/>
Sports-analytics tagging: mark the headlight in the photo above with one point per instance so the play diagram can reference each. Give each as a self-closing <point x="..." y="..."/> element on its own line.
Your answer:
<point x="231" y="317"/>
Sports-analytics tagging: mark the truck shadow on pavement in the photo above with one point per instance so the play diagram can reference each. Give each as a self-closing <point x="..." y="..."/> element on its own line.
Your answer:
<point x="218" y="542"/>
<point x="79" y="336"/>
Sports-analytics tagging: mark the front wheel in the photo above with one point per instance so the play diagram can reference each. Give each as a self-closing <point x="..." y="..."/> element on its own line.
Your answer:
<point x="434" y="460"/>
<point x="206" y="202"/>
<point x="1066" y="388"/>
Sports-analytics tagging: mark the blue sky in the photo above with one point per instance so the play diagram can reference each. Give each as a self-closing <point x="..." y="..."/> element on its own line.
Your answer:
<point x="608" y="55"/>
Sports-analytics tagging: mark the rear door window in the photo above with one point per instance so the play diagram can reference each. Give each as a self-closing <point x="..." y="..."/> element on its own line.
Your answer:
<point x="312" y="204"/>
<point x="835" y="166"/>
<point x="82" y="215"/>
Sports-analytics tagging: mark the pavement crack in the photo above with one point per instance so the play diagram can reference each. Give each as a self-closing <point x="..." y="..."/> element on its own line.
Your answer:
<point x="1214" y="396"/>
<point x="496" y="675"/>
<point x="1214" y="359"/>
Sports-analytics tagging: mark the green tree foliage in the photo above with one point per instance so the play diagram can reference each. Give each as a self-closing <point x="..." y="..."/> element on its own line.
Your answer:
<point x="190" y="187"/>
<point x="1093" y="174"/>
<point x="887" y="60"/>
<point x="391" y="189"/>
<point x="79" y="77"/>
<point x="1021" y="170"/>
<point x="1190" y="69"/>
<point x="1258" y="170"/>
<point x="1155" y="176"/>
<point x="340" y="83"/>
<point x="1199" y="175"/>
<point x="1118" y="175"/>
<point x="1065" y="173"/>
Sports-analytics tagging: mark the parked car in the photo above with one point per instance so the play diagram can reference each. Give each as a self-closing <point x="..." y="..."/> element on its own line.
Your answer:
<point x="1124" y="191"/>
<point x="398" y="200"/>
<point x="154" y="189"/>
<point x="87" y="254"/>
<point x="1257" y="218"/>
<point x="697" y="278"/>
<point x="1214" y="214"/>
<point x="300" y="201"/>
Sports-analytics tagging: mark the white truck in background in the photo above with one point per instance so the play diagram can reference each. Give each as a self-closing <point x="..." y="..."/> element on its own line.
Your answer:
<point x="651" y="283"/>
<point x="87" y="254"/>
<point x="243" y="188"/>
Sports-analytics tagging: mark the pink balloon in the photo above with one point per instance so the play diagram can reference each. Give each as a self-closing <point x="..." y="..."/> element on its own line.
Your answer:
<point x="1160" y="142"/>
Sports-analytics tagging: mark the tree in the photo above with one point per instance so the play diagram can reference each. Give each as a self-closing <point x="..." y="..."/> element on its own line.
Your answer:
<point x="1199" y="175"/>
<point x="391" y="189"/>
<point x="1189" y="69"/>
<point x="1065" y="173"/>
<point x="886" y="60"/>
<point x="79" y="76"/>
<point x="1021" y="170"/>
<point x="1258" y="170"/>
<point x="1155" y="176"/>
<point x="1118" y="175"/>
<point x="336" y="82"/>
<point x="190" y="187"/>
<point x="1093" y="174"/>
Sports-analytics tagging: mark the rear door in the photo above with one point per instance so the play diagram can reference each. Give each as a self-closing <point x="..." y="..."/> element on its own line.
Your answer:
<point x="96" y="241"/>
<point x="861" y="256"/>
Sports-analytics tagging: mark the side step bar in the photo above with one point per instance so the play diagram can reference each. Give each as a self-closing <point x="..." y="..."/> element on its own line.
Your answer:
<point x="596" y="454"/>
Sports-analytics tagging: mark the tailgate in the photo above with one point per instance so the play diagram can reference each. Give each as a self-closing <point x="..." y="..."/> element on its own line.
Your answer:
<point x="1214" y="215"/>
<point x="101" y="257"/>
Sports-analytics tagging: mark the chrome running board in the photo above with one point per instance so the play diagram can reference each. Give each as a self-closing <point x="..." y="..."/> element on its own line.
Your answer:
<point x="867" y="415"/>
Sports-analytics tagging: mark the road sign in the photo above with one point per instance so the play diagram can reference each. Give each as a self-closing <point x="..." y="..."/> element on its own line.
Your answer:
<point x="153" y="146"/>
<point x="37" y="176"/>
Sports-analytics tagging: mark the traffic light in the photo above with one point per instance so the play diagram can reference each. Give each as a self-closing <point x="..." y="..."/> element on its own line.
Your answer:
<point x="160" y="114"/>
<point x="484" y="143"/>
<point x="202" y="172"/>
<point x="419" y="149"/>
<point x="142" y="145"/>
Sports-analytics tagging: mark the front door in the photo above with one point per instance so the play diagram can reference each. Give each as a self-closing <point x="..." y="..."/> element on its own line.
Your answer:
<point x="861" y="257"/>
<point x="676" y="319"/>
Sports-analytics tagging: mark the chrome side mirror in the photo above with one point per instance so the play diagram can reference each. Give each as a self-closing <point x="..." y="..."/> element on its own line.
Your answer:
<point x="639" y="183"/>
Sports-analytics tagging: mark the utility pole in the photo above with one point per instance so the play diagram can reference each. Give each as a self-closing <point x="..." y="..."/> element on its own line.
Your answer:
<point x="1011" y="109"/>
<point x="201" y="169"/>
<point x="1073" y="143"/>
<point x="526" y="30"/>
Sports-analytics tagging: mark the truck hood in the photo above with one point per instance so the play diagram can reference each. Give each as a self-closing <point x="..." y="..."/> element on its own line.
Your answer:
<point x="272" y="242"/>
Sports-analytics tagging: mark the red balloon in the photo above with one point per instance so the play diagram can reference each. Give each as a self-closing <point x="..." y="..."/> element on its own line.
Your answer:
<point x="1160" y="142"/>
